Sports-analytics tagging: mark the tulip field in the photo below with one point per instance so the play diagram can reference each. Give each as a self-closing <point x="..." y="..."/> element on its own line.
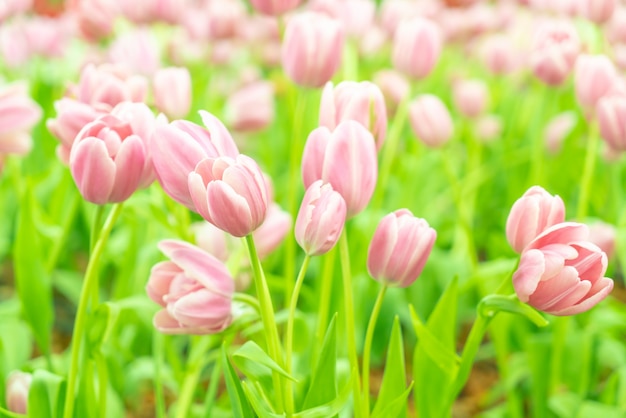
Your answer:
<point x="312" y="208"/>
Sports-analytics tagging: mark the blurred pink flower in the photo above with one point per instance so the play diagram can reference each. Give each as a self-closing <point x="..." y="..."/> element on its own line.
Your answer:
<point x="557" y="129"/>
<point x="417" y="45"/>
<point x="470" y="97"/>
<point x="603" y="235"/>
<point x="594" y="76"/>
<point x="251" y="107"/>
<point x="17" y="388"/>
<point x="171" y="88"/>
<point x="137" y="51"/>
<point x="598" y="11"/>
<point x="274" y="7"/>
<point x="430" y="120"/>
<point x="106" y="85"/>
<point x="18" y="114"/>
<point x="611" y="114"/>
<point x="556" y="46"/>
<point x="394" y="86"/>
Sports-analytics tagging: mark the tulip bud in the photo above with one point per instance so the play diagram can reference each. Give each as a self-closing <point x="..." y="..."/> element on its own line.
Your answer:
<point x="430" y="120"/>
<point x="531" y="214"/>
<point x="594" y="76"/>
<point x="399" y="248"/>
<point x="321" y="218"/>
<point x="312" y="48"/>
<point x="274" y="7"/>
<point x="557" y="129"/>
<point x="230" y="193"/>
<point x="555" y="49"/>
<point x="416" y="47"/>
<point x="346" y="158"/>
<point x="17" y="388"/>
<point x="470" y="97"/>
<point x="394" y="86"/>
<point x="172" y="91"/>
<point x="251" y="108"/>
<point x="611" y="113"/>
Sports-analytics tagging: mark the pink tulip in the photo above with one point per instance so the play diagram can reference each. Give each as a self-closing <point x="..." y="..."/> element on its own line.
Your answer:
<point x="598" y="11"/>
<point x="195" y="289"/>
<point x="561" y="272"/>
<point x="470" y="97"/>
<point x="532" y="214"/>
<point x="557" y="129"/>
<point x="488" y="128"/>
<point x="312" y="48"/>
<point x="230" y="193"/>
<point x="17" y="388"/>
<point x="274" y="7"/>
<point x="18" y="114"/>
<point x="213" y="240"/>
<point x="611" y="113"/>
<point x="603" y="235"/>
<point x="430" y="120"/>
<point x="251" y="108"/>
<point x="362" y="102"/>
<point x="393" y="12"/>
<point x="321" y="218"/>
<point x="500" y="55"/>
<point x="272" y="231"/>
<point x="394" y="86"/>
<point x="95" y="17"/>
<point x="172" y="91"/>
<point x="616" y="27"/>
<point x="416" y="47"/>
<point x="225" y="17"/>
<point x="178" y="147"/>
<point x="594" y="76"/>
<point x="555" y="49"/>
<point x="10" y="8"/>
<point x="136" y="50"/>
<point x="107" y="85"/>
<point x="345" y="158"/>
<point x="400" y="248"/>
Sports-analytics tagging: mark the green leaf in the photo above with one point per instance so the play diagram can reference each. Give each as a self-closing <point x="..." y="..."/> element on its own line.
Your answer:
<point x="396" y="407"/>
<point x="45" y="397"/>
<point x="32" y="282"/>
<point x="258" y="362"/>
<point x="446" y="359"/>
<point x="492" y="304"/>
<point x="394" y="379"/>
<point x="331" y="408"/>
<point x="100" y="323"/>
<point x="259" y="403"/>
<point x="323" y="386"/>
<point x="238" y="401"/>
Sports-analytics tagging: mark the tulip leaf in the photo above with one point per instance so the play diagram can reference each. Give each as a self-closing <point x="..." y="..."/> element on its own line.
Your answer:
<point x="238" y="401"/>
<point x="99" y="325"/>
<point x="323" y="387"/>
<point x="259" y="403"/>
<point x="333" y="407"/>
<point x="254" y="362"/>
<point x="393" y="385"/>
<point x="45" y="396"/>
<point x="395" y="408"/>
<point x="492" y="304"/>
<point x="446" y="359"/>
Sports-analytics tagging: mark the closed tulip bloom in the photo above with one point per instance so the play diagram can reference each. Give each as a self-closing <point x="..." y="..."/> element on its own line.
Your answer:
<point x="416" y="47"/>
<point x="107" y="160"/>
<point x="400" y="248"/>
<point x="312" y="48"/>
<point x="17" y="388"/>
<point x="594" y="76"/>
<point x="274" y="7"/>
<point x="470" y="97"/>
<point x="272" y="231"/>
<point x="362" y="102"/>
<point x="230" y="193"/>
<point x="488" y="128"/>
<point x="430" y="120"/>
<point x="320" y="220"/>
<point x="172" y="91"/>
<point x="554" y="52"/>
<point x="557" y="129"/>
<point x="532" y="214"/>
<point x="107" y="85"/>
<point x="18" y="114"/>
<point x="251" y="108"/>
<point x="561" y="272"/>
<point x="194" y="287"/>
<point x="394" y="87"/>
<point x="598" y="11"/>
<point x="500" y="55"/>
<point x="611" y="113"/>
<point x="179" y="146"/>
<point x="345" y="158"/>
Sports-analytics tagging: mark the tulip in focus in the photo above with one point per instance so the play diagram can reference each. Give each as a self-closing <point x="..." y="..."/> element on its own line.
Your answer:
<point x="430" y="120"/>
<point x="321" y="218"/>
<point x="561" y="272"/>
<point x="274" y="7"/>
<point x="18" y="114"/>
<point x="363" y="102"/>
<point x="172" y="91"/>
<point x="532" y="214"/>
<point x="346" y="158"/>
<point x="611" y="114"/>
<point x="470" y="97"/>
<point x="594" y="76"/>
<point x="400" y="248"/>
<point x="251" y="108"/>
<point x="554" y="52"/>
<point x="312" y="48"/>
<point x="194" y="288"/>
<point x="17" y="388"/>
<point x="230" y="193"/>
<point x="416" y="47"/>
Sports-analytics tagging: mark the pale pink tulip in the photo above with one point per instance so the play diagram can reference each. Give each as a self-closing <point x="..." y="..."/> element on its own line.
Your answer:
<point x="194" y="287"/>
<point x="611" y="114"/>
<point x="321" y="218"/>
<point x="394" y="86"/>
<point x="532" y="214"/>
<point x="137" y="51"/>
<point x="554" y="52"/>
<point x="213" y="240"/>
<point x="225" y="17"/>
<point x="500" y="54"/>
<point x="171" y="87"/>
<point x="561" y="272"/>
<point x="594" y="76"/>
<point x="272" y="231"/>
<point x="18" y="114"/>
<point x="106" y="85"/>
<point x="430" y="120"/>
<point x="95" y="17"/>
<point x="416" y="47"/>
<point x="470" y="97"/>
<point x="393" y="12"/>
<point x="10" y="8"/>
<point x="488" y="128"/>
<point x="598" y="11"/>
<point x="400" y="248"/>
<point x="251" y="108"/>
<point x="603" y="235"/>
<point x="17" y="388"/>
<point x="274" y="7"/>
<point x="616" y="27"/>
<point x="557" y="129"/>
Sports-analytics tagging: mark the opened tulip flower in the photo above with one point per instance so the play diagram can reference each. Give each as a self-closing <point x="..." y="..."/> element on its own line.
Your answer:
<point x="561" y="272"/>
<point x="194" y="287"/>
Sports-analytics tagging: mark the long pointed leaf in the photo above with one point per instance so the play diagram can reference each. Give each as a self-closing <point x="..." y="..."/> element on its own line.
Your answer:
<point x="323" y="386"/>
<point x="394" y="379"/>
<point x="238" y="401"/>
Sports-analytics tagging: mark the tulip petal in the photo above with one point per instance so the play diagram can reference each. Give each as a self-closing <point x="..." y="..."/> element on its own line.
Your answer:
<point x="228" y="210"/>
<point x="93" y="170"/>
<point x="528" y="274"/>
<point x="605" y="286"/>
<point x="129" y="163"/>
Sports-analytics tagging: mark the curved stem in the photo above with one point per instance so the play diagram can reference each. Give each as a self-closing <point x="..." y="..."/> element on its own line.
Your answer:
<point x="367" y="348"/>
<point x="324" y="294"/>
<point x="248" y="300"/>
<point x="91" y="280"/>
<point x="590" y="161"/>
<point x="59" y="244"/>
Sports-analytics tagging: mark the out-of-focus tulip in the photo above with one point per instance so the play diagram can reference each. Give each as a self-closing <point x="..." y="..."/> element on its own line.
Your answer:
<point x="17" y="388"/>
<point x="400" y="248"/>
<point x="598" y="11"/>
<point x="171" y="87"/>
<point x="179" y="146"/>
<point x="195" y="289"/>
<point x="556" y="46"/>
<point x="136" y="50"/>
<point x="274" y="7"/>
<point x="470" y="97"/>
<point x="532" y="214"/>
<point x="251" y="108"/>
<point x="488" y="128"/>
<point x="430" y="120"/>
<point x="150" y="11"/>
<point x="603" y="235"/>
<point x="345" y="158"/>
<point x="594" y="76"/>
<point x="107" y="85"/>
<point x="611" y="113"/>
<point x="393" y="12"/>
<point x="321" y="218"/>
<point x="500" y="55"/>
<point x="416" y="47"/>
<point x="272" y="231"/>
<point x="224" y="18"/>
<point x="363" y="102"/>
<point x="10" y="8"/>
<point x="230" y="193"/>
<point x="394" y="86"/>
<point x="95" y="17"/>
<point x="561" y="272"/>
<point x="557" y="129"/>
<point x="213" y="240"/>
<point x="18" y="114"/>
<point x="616" y="27"/>
<point x="312" y="48"/>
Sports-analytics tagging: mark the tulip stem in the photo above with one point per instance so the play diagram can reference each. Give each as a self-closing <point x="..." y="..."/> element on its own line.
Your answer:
<point x="194" y="368"/>
<point x="324" y="295"/>
<point x="367" y="348"/>
<point x="91" y="280"/>
<point x="348" y="307"/>
<point x="588" y="168"/>
<point x="267" y="317"/>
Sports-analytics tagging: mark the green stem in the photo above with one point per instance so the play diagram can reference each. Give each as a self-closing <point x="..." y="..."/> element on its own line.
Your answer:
<point x="91" y="280"/>
<point x="325" y="293"/>
<point x="103" y="380"/>
<point x="248" y="300"/>
<point x="350" y="61"/>
<point x="158" y="354"/>
<point x="192" y="375"/>
<point x="267" y="317"/>
<point x="95" y="235"/>
<point x="588" y="168"/>
<point x="559" y="337"/>
<point x="344" y="253"/>
<point x="59" y="244"/>
<point x="212" y="389"/>
<point x="367" y="348"/>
